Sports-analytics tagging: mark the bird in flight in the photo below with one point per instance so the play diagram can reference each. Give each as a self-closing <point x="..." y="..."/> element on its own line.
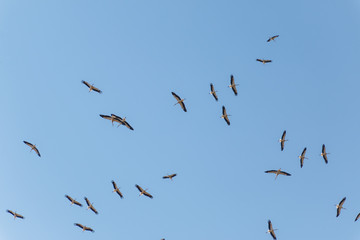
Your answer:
<point x="213" y="92"/>
<point x="84" y="228"/>
<point x="271" y="230"/>
<point x="263" y="61"/>
<point x="16" y="215"/>
<point x="169" y="176"/>
<point x="233" y="85"/>
<point x="278" y="172"/>
<point x="340" y="206"/>
<point x="302" y="157"/>
<point x="282" y="140"/>
<point x="113" y="118"/>
<point x="357" y="217"/>
<point x="143" y="192"/>
<point x="272" y="38"/>
<point x="73" y="201"/>
<point x="90" y="205"/>
<point x="324" y="153"/>
<point x="33" y="147"/>
<point x="179" y="101"/>
<point x="122" y="121"/>
<point x="116" y="189"/>
<point x="225" y="115"/>
<point x="91" y="87"/>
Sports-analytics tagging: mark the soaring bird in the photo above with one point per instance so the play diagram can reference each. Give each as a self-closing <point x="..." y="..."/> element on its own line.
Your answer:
<point x="90" y="205"/>
<point x="225" y="115"/>
<point x="169" y="176"/>
<point x="179" y="101"/>
<point x="213" y="92"/>
<point x="263" y="60"/>
<point x="33" y="147"/>
<point x="73" y="201"/>
<point x="16" y="215"/>
<point x="272" y="38"/>
<point x="278" y="172"/>
<point x="116" y="189"/>
<point x="233" y="85"/>
<point x="271" y="230"/>
<point x="91" y="87"/>
<point x="302" y="157"/>
<point x="113" y="118"/>
<point x="84" y="228"/>
<point x="324" y="153"/>
<point x="282" y="140"/>
<point x="143" y="192"/>
<point x="357" y="217"/>
<point x="340" y="206"/>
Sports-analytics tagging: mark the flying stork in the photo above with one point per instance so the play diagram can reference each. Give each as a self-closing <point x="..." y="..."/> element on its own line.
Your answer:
<point x="90" y="205"/>
<point x="272" y="38"/>
<point x="123" y="122"/>
<point x="84" y="228"/>
<point x="263" y="60"/>
<point x="271" y="230"/>
<point x="73" y="201"/>
<point x="340" y="206"/>
<point x="112" y="118"/>
<point x="143" y="192"/>
<point x="179" y="101"/>
<point x="302" y="157"/>
<point x="169" y="176"/>
<point x="282" y="140"/>
<point x="16" y="215"/>
<point x="213" y="92"/>
<point x="278" y="172"/>
<point x="33" y="147"/>
<point x="91" y="87"/>
<point x="225" y="115"/>
<point x="116" y="189"/>
<point x="233" y="85"/>
<point x="324" y="153"/>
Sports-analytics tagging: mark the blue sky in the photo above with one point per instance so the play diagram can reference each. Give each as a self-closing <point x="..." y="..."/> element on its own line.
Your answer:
<point x="137" y="53"/>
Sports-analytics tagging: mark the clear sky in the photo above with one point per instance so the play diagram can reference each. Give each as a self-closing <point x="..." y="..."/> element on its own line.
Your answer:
<point x="137" y="52"/>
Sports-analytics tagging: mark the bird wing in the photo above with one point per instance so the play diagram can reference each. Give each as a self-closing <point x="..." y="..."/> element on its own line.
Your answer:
<point x="93" y="209"/>
<point x="211" y="87"/>
<point x="227" y="120"/>
<point x="338" y="210"/>
<point x="232" y="81"/>
<point x="269" y="39"/>
<point x="357" y="217"/>
<point x="77" y="203"/>
<point x="342" y="202"/>
<point x="79" y="225"/>
<point x="165" y="177"/>
<point x="282" y="145"/>
<point x="325" y="158"/>
<point x="272" y="233"/>
<point x="271" y="171"/>
<point x="259" y="60"/>
<point x="224" y="110"/>
<point x="284" y="173"/>
<point x="19" y="216"/>
<point x="233" y="86"/>
<point x="37" y="151"/>
<point x="234" y="90"/>
<point x="215" y="96"/>
<point x="283" y="135"/>
<point x="128" y="125"/>
<point x="68" y="197"/>
<point x="323" y="148"/>
<point x="29" y="144"/>
<point x="105" y="116"/>
<point x="270" y="225"/>
<point x="87" y="201"/>
<point x="183" y="106"/>
<point x="86" y="83"/>
<point x="176" y="96"/>
<point x="114" y="184"/>
<point x="148" y="194"/>
<point x="11" y="212"/>
<point x="116" y="116"/>
<point x="89" y="229"/>
<point x="139" y="188"/>
<point x="173" y="175"/>
<point x="96" y="89"/>
<point x="301" y="162"/>
<point x="267" y="61"/>
<point x="118" y="192"/>
<point x="303" y="153"/>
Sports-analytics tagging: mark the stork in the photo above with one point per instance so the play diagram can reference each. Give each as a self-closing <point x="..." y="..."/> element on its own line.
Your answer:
<point x="324" y="153"/>
<point x="16" y="215"/>
<point x="90" y="205"/>
<point x="179" y="101"/>
<point x="169" y="176"/>
<point x="302" y="157"/>
<point x="272" y="38"/>
<point x="278" y="172"/>
<point x="112" y="118"/>
<point x="225" y="115"/>
<point x="271" y="230"/>
<point x="340" y="206"/>
<point x="213" y="92"/>
<point x="282" y="140"/>
<point x="73" y="201"/>
<point x="33" y="147"/>
<point x="143" y="192"/>
<point x="233" y="85"/>
<point x="91" y="87"/>
<point x="116" y="189"/>
<point x="84" y="228"/>
<point x="263" y="60"/>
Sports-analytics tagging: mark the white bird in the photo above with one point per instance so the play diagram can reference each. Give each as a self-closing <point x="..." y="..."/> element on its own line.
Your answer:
<point x="278" y="172"/>
<point x="90" y="205"/>
<point x="116" y="189"/>
<point x="213" y="92"/>
<point x="170" y="176"/>
<point x="33" y="147"/>
<point x="324" y="153"/>
<point x="263" y="60"/>
<point x="271" y="230"/>
<point x="233" y="85"/>
<point x="340" y="206"/>
<point x="84" y="228"/>
<point x="179" y="101"/>
<point x="143" y="192"/>
<point x="16" y="215"/>
<point x="73" y="201"/>
<point x="91" y="87"/>
<point x="272" y="38"/>
<point x="302" y="157"/>
<point x="282" y="140"/>
<point x="225" y="115"/>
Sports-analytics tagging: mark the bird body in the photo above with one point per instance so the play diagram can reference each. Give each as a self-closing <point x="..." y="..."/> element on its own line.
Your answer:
<point x="33" y="147"/>
<point x="179" y="101"/>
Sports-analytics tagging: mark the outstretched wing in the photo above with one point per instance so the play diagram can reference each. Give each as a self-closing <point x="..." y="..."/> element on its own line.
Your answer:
<point x="29" y="144"/>
<point x="89" y="229"/>
<point x="182" y="104"/>
<point x="148" y="194"/>
<point x="86" y="83"/>
<point x="284" y="173"/>
<point x="271" y="171"/>
<point x="11" y="212"/>
<point x="114" y="184"/>
<point x="233" y="86"/>
<point x="68" y="197"/>
<point x="79" y="225"/>
<point x="37" y="151"/>
<point x="357" y="217"/>
<point x="105" y="117"/>
<point x="93" y="209"/>
<point x="77" y="203"/>
<point x="87" y="201"/>
<point x="176" y="96"/>
<point x="139" y="188"/>
<point x="128" y="125"/>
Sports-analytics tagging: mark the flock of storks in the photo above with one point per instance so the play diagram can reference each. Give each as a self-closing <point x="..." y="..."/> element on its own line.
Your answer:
<point x="122" y="121"/>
